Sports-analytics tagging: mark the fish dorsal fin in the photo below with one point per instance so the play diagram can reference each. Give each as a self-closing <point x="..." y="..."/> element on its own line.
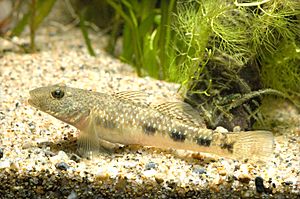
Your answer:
<point x="136" y="97"/>
<point x="181" y="111"/>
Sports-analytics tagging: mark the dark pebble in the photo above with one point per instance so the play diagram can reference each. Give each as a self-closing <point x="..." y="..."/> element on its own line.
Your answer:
<point x="259" y="184"/>
<point x="62" y="166"/>
<point x="75" y="158"/>
<point x="31" y="126"/>
<point x="1" y="153"/>
<point x="49" y="153"/>
<point x="150" y="165"/>
<point x="288" y="183"/>
<point x="159" y="180"/>
<point x="2" y="116"/>
<point x="171" y="184"/>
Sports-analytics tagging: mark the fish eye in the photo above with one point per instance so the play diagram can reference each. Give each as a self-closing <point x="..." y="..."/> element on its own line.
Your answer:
<point x="57" y="94"/>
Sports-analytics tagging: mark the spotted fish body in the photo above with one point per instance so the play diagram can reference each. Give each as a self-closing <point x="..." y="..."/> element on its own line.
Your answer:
<point x="127" y="118"/>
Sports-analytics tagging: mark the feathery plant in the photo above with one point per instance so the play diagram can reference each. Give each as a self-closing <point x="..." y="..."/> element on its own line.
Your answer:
<point x="226" y="50"/>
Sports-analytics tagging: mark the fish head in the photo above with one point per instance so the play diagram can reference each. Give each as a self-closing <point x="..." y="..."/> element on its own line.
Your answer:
<point x="65" y="103"/>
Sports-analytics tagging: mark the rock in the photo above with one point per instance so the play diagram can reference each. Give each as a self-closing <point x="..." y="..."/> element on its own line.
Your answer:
<point x="288" y="183"/>
<point x="150" y="165"/>
<point x="244" y="178"/>
<point x="199" y="170"/>
<point x="1" y="153"/>
<point x="75" y="158"/>
<point x="259" y="184"/>
<point x="221" y="129"/>
<point x="4" y="164"/>
<point x="159" y="179"/>
<point x="149" y="173"/>
<point x="62" y="166"/>
<point x="72" y="195"/>
<point x="236" y="129"/>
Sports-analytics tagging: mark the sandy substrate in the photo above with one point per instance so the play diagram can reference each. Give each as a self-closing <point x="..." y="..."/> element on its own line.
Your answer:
<point x="38" y="153"/>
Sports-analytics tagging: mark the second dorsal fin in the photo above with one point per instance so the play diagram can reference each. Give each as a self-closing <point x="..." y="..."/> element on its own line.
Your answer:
<point x="137" y="97"/>
<point x="181" y="111"/>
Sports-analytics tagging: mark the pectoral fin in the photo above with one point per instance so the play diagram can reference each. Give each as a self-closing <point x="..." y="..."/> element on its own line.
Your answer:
<point x="88" y="143"/>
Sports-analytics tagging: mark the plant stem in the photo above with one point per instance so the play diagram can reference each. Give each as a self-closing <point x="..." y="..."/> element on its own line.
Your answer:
<point x="85" y="33"/>
<point x="164" y="37"/>
<point x="32" y="26"/>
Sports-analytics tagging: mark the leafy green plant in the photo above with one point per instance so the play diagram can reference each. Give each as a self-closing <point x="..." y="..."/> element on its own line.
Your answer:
<point x="37" y="12"/>
<point x="146" y="34"/>
<point x="84" y="31"/>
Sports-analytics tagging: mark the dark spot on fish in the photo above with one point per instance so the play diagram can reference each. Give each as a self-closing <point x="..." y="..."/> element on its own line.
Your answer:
<point x="149" y="130"/>
<point x="177" y="135"/>
<point x="203" y="142"/>
<point x="227" y="146"/>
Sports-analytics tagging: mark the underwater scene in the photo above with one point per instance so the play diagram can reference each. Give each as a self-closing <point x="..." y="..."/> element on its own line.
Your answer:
<point x="150" y="99"/>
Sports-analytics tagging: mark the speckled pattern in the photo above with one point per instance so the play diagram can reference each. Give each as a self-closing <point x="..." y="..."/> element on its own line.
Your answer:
<point x="38" y="153"/>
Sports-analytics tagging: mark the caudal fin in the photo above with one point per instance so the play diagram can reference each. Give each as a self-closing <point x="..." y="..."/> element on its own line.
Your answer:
<point x="254" y="145"/>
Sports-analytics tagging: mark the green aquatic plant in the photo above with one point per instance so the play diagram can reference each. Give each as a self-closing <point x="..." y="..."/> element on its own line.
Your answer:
<point x="282" y="70"/>
<point x="84" y="32"/>
<point x="225" y="51"/>
<point x="37" y="12"/>
<point x="145" y="34"/>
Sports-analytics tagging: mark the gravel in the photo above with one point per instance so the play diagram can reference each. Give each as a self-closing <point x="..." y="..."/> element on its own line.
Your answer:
<point x="38" y="152"/>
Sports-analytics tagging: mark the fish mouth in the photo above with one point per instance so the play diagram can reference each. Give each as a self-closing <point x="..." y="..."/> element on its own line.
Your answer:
<point x="30" y="100"/>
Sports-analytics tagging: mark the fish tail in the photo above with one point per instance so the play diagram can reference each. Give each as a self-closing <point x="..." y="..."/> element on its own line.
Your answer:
<point x="254" y="145"/>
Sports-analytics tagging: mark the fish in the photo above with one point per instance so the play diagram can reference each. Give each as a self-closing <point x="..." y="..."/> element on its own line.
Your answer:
<point x="130" y="118"/>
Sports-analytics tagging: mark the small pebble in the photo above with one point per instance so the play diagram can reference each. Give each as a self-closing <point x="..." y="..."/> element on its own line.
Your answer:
<point x="5" y="164"/>
<point x="150" y="165"/>
<point x="199" y="170"/>
<point x="288" y="183"/>
<point x="149" y="173"/>
<point x="31" y="126"/>
<point x="221" y="129"/>
<point x="72" y="195"/>
<point x="244" y="178"/>
<point x="75" y="158"/>
<point x="236" y="129"/>
<point x="159" y="179"/>
<point x="62" y="166"/>
<point x="259" y="184"/>
<point x="1" y="153"/>
<point x="2" y="116"/>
